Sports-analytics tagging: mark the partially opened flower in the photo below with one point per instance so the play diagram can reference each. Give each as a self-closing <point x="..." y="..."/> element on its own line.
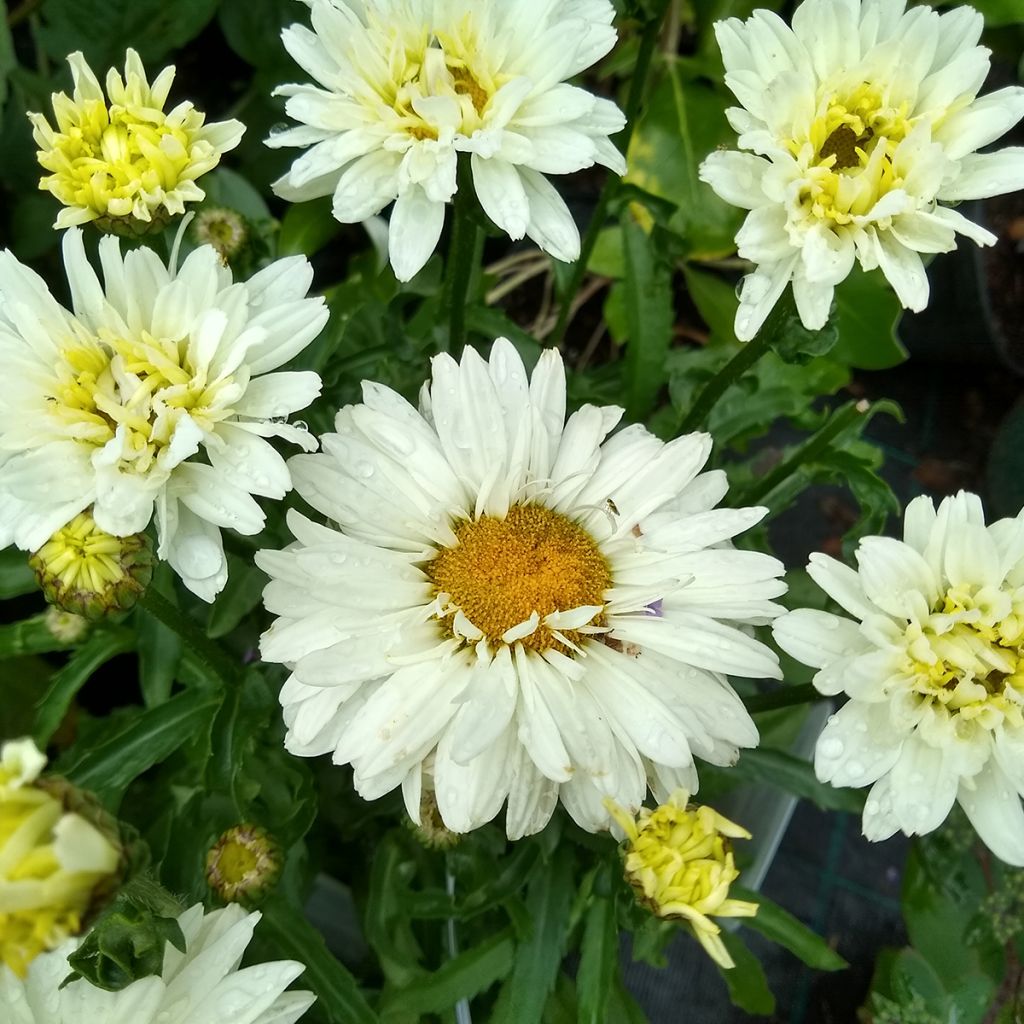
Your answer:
<point x="119" y="159"/>
<point x="52" y="862"/>
<point x="861" y="124"/>
<point x="405" y="85"/>
<point x="933" y="663"/>
<point x="153" y="396"/>
<point x="679" y="861"/>
<point x="203" y="984"/>
<point x="512" y="606"/>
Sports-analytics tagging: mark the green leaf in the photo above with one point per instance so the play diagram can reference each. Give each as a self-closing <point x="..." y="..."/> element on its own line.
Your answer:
<point x="160" y="648"/>
<point x="716" y="301"/>
<point x="866" y="316"/>
<point x="463" y="977"/>
<point x="599" y="954"/>
<point x="98" y="649"/>
<point x="338" y="993"/>
<point x="782" y="927"/>
<point x="8" y="61"/>
<point x="538" y="957"/>
<point x="649" y="319"/>
<point x="1005" y="471"/>
<point x="241" y="595"/>
<point x="796" y="776"/>
<point x="109" y="768"/>
<point x="30" y="636"/>
<point x="16" y="578"/>
<point x="103" y="29"/>
<point x="387" y="925"/>
<point x="225" y="187"/>
<point x="793" y="342"/>
<point x="253" y="29"/>
<point x="746" y="982"/>
<point x="684" y="121"/>
<point x="307" y="228"/>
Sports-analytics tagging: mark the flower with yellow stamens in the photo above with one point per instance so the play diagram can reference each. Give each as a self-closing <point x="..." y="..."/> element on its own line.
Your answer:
<point x="244" y="864"/>
<point x="51" y="861"/>
<point x="123" y="162"/>
<point x="91" y="573"/>
<point x="679" y="862"/>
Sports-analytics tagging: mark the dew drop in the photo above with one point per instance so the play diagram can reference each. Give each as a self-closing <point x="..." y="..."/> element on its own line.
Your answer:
<point x="831" y="748"/>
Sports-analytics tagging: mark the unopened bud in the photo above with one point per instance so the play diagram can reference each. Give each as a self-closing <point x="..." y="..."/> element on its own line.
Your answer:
<point x="226" y="230"/>
<point x="88" y="572"/>
<point x="244" y="864"/>
<point x="67" y="627"/>
<point x="431" y="830"/>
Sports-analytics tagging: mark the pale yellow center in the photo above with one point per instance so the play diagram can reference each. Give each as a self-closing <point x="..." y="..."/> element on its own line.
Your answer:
<point x="974" y="670"/>
<point x="504" y="570"/>
<point x="144" y="384"/>
<point x="854" y="139"/>
<point x="82" y="556"/>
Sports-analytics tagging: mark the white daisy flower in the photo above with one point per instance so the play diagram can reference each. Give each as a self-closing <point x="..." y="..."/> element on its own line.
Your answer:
<point x="862" y="124"/>
<point x="933" y="663"/>
<point x="203" y="985"/>
<point x="405" y="85"/>
<point x="107" y="404"/>
<point x="513" y="607"/>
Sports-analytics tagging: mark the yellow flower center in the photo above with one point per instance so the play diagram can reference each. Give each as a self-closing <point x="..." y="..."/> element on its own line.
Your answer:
<point x="968" y="659"/>
<point x="427" y="62"/>
<point x="82" y="557"/>
<point x="534" y="560"/>
<point x="145" y="385"/>
<point x="853" y="139"/>
<point x="243" y="864"/>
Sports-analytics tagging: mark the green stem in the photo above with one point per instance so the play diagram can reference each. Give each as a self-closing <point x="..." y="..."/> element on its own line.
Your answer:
<point x="638" y="86"/>
<point x="745" y="358"/>
<point x="201" y="646"/>
<point x="465" y="243"/>
<point x="842" y="419"/>
<point x="784" y="698"/>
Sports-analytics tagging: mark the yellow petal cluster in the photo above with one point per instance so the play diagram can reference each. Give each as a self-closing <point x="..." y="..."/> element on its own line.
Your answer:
<point x="51" y="861"/>
<point x="119" y="159"/>
<point x="679" y="862"/>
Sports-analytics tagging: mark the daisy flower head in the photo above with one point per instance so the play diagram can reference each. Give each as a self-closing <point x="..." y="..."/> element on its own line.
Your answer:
<point x="203" y="985"/>
<point x="119" y="159"/>
<point x="404" y="86"/>
<point x="931" y="655"/>
<point x="859" y="126"/>
<point x="679" y="861"/>
<point x="152" y="396"/>
<point x="513" y="606"/>
<point x="52" y="862"/>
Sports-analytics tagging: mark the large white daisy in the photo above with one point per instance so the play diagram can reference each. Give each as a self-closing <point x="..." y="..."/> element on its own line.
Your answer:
<point x="106" y="405"/>
<point x="933" y="664"/>
<point x="405" y="85"/>
<point x="862" y="124"/>
<point x="203" y="985"/>
<point x="512" y="606"/>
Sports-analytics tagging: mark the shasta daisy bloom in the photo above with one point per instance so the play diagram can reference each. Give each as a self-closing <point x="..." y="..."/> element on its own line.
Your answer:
<point x="512" y="606"/>
<point x="203" y="985"/>
<point x="51" y="862"/>
<point x="861" y="125"/>
<point x="406" y="85"/>
<point x="933" y="663"/>
<point x="679" y="861"/>
<point x="119" y="159"/>
<point x="152" y="396"/>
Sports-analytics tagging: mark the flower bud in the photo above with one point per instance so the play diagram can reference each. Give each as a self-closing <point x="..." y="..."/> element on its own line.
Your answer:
<point x="679" y="862"/>
<point x="66" y="627"/>
<point x="244" y="864"/>
<point x="224" y="229"/>
<point x="54" y="862"/>
<point x="88" y="572"/>
<point x="431" y="830"/>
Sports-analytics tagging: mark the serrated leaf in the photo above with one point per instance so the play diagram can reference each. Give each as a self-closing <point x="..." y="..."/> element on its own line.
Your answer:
<point x="599" y="952"/>
<point x="538" y="957"/>
<point x="98" y="649"/>
<point x="110" y="767"/>
<point x="463" y="977"/>
<point x="777" y="924"/>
